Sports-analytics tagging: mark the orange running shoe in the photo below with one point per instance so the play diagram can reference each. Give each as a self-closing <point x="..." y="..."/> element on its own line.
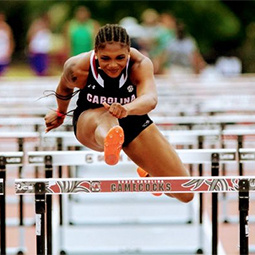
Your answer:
<point x="113" y="144"/>
<point x="143" y="173"/>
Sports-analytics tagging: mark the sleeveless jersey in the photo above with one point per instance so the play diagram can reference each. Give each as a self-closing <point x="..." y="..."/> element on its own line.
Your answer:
<point x="102" y="88"/>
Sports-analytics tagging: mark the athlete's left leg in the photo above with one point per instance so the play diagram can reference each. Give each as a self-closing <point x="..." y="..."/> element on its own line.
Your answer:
<point x="152" y="152"/>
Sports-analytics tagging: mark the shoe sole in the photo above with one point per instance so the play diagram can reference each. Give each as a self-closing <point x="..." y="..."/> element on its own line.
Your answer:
<point x="113" y="145"/>
<point x="142" y="174"/>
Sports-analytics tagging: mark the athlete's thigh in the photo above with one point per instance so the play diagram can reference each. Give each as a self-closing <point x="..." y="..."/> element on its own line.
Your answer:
<point x="86" y="125"/>
<point x="151" y="151"/>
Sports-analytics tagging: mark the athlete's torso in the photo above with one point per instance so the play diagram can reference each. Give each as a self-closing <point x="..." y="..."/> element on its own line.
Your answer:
<point x="101" y="88"/>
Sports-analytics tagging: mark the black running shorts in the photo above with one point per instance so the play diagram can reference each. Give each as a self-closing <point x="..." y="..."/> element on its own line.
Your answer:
<point x="132" y="125"/>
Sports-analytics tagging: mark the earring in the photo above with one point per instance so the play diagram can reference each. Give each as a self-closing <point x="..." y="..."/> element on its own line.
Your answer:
<point x="95" y="57"/>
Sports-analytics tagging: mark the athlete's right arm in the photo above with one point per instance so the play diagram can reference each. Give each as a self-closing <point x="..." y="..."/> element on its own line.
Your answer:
<point x="75" y="73"/>
<point x="71" y="77"/>
<point x="55" y="118"/>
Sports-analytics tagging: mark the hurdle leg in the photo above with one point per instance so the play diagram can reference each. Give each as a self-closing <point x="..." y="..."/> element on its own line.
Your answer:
<point x="239" y="146"/>
<point x="243" y="216"/>
<point x="201" y="234"/>
<point x="40" y="201"/>
<point x="224" y="195"/>
<point x="215" y="172"/>
<point x="21" y="206"/>
<point x="21" y="220"/>
<point x="60" y="148"/>
<point x="2" y="206"/>
<point x="48" y="174"/>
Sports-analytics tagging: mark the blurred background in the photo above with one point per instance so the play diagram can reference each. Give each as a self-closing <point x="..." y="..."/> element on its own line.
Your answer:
<point x="219" y="28"/>
<point x="209" y="46"/>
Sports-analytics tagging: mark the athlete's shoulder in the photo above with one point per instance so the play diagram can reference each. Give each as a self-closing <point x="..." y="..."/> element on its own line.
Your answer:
<point x="139" y="60"/>
<point x="76" y="70"/>
<point x="81" y="61"/>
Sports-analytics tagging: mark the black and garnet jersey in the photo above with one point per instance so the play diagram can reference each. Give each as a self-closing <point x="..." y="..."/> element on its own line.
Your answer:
<point x="101" y="88"/>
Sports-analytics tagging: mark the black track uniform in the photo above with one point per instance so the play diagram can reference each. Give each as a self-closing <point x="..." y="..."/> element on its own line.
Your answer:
<point x="101" y="88"/>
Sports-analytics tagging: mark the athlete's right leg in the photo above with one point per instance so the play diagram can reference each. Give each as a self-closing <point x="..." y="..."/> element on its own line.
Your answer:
<point x="93" y="126"/>
<point x="97" y="129"/>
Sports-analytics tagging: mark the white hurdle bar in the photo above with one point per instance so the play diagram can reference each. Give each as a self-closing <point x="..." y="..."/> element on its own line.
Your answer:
<point x="76" y="158"/>
<point x="66" y="139"/>
<point x="194" y="120"/>
<point x="159" y="120"/>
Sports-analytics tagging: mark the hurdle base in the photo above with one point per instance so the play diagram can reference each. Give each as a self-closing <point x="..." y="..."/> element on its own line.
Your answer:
<point x="200" y="251"/>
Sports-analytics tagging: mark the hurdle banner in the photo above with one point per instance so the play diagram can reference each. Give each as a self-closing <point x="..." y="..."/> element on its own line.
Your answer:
<point x="162" y="184"/>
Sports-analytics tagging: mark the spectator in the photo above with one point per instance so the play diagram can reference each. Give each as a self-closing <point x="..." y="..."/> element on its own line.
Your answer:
<point x="39" y="44"/>
<point x="228" y="65"/>
<point x="6" y="43"/>
<point x="156" y="38"/>
<point x="168" y="21"/>
<point x="184" y="55"/>
<point x="135" y="31"/>
<point x="80" y="32"/>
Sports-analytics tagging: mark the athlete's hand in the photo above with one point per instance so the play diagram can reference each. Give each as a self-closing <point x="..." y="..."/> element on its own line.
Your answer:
<point x="52" y="120"/>
<point x="117" y="110"/>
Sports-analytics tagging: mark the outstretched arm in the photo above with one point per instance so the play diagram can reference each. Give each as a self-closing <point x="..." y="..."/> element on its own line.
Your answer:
<point x="55" y="118"/>
<point x="143" y="77"/>
<point x="71" y="77"/>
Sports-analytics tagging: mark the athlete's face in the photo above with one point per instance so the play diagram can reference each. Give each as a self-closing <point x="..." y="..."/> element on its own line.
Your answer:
<point x="113" y="58"/>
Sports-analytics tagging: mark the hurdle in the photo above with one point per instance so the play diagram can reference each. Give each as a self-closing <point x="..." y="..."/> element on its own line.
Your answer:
<point x="190" y="138"/>
<point x="190" y="121"/>
<point x="66" y="139"/>
<point x="48" y="159"/>
<point x="21" y="138"/>
<point x="35" y="123"/>
<point x="42" y="187"/>
<point x="12" y="159"/>
<point x="239" y="136"/>
<point x="75" y="158"/>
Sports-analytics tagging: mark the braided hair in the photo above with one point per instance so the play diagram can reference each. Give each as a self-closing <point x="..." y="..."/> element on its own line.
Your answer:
<point x="111" y="33"/>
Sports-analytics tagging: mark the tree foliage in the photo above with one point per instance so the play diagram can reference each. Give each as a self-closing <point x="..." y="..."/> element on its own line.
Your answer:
<point x="217" y="25"/>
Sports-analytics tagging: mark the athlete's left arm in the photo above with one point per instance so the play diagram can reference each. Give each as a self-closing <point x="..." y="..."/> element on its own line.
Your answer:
<point x="143" y="78"/>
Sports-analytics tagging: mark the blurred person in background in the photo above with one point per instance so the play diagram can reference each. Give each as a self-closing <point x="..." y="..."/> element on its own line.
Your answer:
<point x="135" y="31"/>
<point x="183" y="53"/>
<point x="228" y="65"/>
<point x="39" y="44"/>
<point x="6" y="43"/>
<point x="156" y="38"/>
<point x="168" y="21"/>
<point x="80" y="32"/>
